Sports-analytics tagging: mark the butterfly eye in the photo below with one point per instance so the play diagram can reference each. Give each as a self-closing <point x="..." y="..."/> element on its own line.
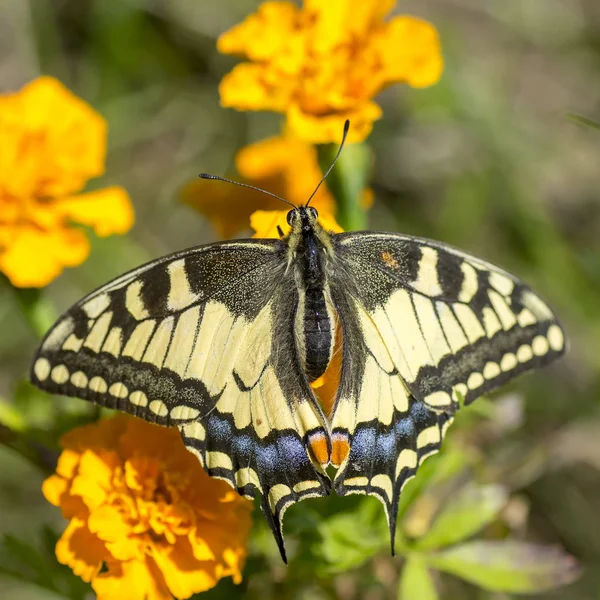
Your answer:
<point x="291" y="217"/>
<point x="312" y="212"/>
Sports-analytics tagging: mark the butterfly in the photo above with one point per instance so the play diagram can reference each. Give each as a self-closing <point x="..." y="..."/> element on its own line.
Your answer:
<point x="223" y="341"/>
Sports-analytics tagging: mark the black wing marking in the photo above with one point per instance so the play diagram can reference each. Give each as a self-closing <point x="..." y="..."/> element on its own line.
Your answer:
<point x="202" y="340"/>
<point x="425" y="327"/>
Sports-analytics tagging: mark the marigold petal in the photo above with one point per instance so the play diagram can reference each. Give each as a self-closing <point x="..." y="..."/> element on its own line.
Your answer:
<point x="247" y="88"/>
<point x="410" y="51"/>
<point x="326" y="129"/>
<point x="111" y="526"/>
<point x="53" y="488"/>
<point x="133" y="580"/>
<point x="200" y="547"/>
<point x="94" y="479"/>
<point x="183" y="573"/>
<point x="142" y="450"/>
<point x="58" y="141"/>
<point x="272" y="156"/>
<point x="234" y="561"/>
<point x="222" y="543"/>
<point x="265" y="222"/>
<point x="100" y="436"/>
<point x="79" y="549"/>
<point x="36" y="257"/>
<point x="264" y="34"/>
<point x="108" y="211"/>
<point x="57" y="491"/>
<point x="67" y="464"/>
<point x="141" y="473"/>
<point x="336" y="21"/>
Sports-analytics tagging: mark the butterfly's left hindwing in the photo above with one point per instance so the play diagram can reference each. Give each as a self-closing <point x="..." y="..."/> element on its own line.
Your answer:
<point x="202" y="340"/>
<point x="425" y="328"/>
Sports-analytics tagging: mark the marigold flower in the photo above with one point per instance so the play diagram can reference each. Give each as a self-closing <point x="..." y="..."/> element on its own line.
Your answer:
<point x="282" y="165"/>
<point x="51" y="143"/>
<point x="146" y="521"/>
<point x="323" y="63"/>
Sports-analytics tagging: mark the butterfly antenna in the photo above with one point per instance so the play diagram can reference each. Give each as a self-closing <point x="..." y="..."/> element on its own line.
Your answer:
<point x="246" y="185"/>
<point x="346" y="128"/>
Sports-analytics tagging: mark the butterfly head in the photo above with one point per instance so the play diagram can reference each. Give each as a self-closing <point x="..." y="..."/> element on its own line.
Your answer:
<point x="307" y="237"/>
<point x="302" y="219"/>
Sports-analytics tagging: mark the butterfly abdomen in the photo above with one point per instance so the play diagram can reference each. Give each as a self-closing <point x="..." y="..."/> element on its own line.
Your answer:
<point x="319" y="331"/>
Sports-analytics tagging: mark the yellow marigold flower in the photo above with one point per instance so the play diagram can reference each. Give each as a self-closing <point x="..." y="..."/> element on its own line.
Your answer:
<point x="145" y="521"/>
<point x="265" y="223"/>
<point x="282" y="165"/>
<point x="323" y="63"/>
<point x="51" y="143"/>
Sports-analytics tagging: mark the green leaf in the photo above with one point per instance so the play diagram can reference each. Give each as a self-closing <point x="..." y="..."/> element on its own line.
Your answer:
<point x="349" y="539"/>
<point x="509" y="566"/>
<point x="436" y="469"/>
<point x="33" y="405"/>
<point x="467" y="511"/>
<point x="23" y="561"/>
<point x="347" y="181"/>
<point x="416" y="581"/>
<point x="10" y="416"/>
<point x="583" y="120"/>
<point x="37" y="309"/>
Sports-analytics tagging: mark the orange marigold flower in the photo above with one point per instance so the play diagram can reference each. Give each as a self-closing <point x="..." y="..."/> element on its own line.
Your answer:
<point x="51" y="143"/>
<point x="146" y="521"/>
<point x="282" y="165"/>
<point x="323" y="63"/>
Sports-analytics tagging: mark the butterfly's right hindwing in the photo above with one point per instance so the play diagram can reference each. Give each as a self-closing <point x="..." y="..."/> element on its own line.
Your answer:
<point x="202" y="340"/>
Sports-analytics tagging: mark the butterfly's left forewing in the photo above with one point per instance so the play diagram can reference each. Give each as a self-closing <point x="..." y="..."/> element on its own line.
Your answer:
<point x="202" y="340"/>
<point x="425" y="328"/>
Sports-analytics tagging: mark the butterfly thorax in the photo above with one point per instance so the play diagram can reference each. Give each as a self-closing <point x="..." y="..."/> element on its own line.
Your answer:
<point x="309" y="247"/>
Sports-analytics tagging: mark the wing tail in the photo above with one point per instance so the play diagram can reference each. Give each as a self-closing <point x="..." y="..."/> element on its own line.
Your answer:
<point x="383" y="458"/>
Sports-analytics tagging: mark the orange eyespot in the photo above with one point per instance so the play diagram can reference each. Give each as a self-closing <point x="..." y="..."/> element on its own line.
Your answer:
<point x="319" y="448"/>
<point x="389" y="260"/>
<point x="339" y="448"/>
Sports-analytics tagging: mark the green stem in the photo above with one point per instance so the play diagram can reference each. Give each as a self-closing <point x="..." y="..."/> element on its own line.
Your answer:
<point x="32" y="451"/>
<point x="37" y="309"/>
<point x="347" y="182"/>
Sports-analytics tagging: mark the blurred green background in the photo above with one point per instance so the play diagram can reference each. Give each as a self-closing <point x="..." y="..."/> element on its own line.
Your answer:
<point x="490" y="159"/>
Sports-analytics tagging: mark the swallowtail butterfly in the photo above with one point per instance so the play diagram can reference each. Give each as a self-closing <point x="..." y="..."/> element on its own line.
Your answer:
<point x="222" y="341"/>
